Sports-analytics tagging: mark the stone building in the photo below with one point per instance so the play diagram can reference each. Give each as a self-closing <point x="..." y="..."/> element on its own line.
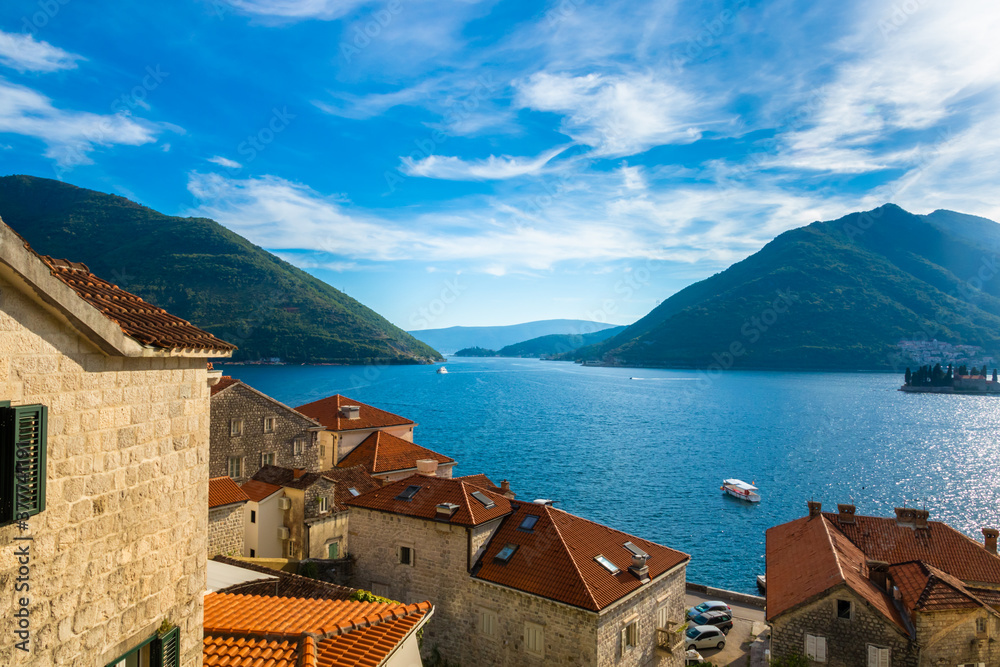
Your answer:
<point x="849" y="590"/>
<point x="518" y="583"/>
<point x="105" y="407"/>
<point x="389" y="458"/>
<point x="250" y="429"/>
<point x="264" y="520"/>
<point x="226" y="517"/>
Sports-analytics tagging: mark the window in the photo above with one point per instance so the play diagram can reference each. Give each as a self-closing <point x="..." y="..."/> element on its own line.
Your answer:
<point x="528" y="524"/>
<point x="606" y="564"/>
<point x="636" y="551"/>
<point x="333" y="550"/>
<point x="488" y="623"/>
<point x="322" y="504"/>
<point x="288" y="548"/>
<point x="298" y="444"/>
<point x="630" y="636"/>
<point x="408" y="492"/>
<point x="816" y="648"/>
<point x="354" y="492"/>
<point x="252" y="553"/>
<point x="877" y="656"/>
<point x="534" y="639"/>
<point x="267" y="459"/>
<point x="662" y="617"/>
<point x="322" y="452"/>
<point x="268" y="424"/>
<point x="505" y="554"/>
<point x="980" y="626"/>
<point x="845" y="609"/>
<point x="236" y="467"/>
<point x="406" y="555"/>
<point x="482" y="498"/>
<point x="162" y="650"/>
<point x="23" y="450"/>
<point x="235" y="427"/>
<point x="253" y="516"/>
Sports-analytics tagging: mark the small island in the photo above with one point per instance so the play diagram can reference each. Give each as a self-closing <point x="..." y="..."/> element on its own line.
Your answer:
<point x="936" y="380"/>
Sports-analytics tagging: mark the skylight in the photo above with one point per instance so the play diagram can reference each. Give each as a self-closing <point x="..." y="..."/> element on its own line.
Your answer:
<point x="408" y="493"/>
<point x="354" y="492"/>
<point x="504" y="554"/>
<point x="636" y="551"/>
<point x="528" y="524"/>
<point x="481" y="497"/>
<point x="608" y="565"/>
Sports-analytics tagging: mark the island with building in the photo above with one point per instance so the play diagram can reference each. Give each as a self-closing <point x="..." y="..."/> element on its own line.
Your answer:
<point x="960" y="380"/>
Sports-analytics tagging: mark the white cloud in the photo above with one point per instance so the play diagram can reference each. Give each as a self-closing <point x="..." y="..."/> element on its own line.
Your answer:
<point x="25" y="54"/>
<point x="492" y="168"/>
<point x="298" y="9"/>
<point x="224" y="162"/>
<point x="617" y="115"/>
<point x="69" y="135"/>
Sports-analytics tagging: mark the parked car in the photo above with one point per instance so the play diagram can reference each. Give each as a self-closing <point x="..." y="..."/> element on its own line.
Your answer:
<point x="720" y="619"/>
<point x="711" y="605"/>
<point x="704" y="636"/>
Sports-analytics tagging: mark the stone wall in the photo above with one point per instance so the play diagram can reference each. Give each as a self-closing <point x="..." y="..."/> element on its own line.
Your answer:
<point x="846" y="640"/>
<point x="239" y="402"/>
<point x="333" y="527"/>
<point x="949" y="637"/>
<point x="121" y="544"/>
<point x="226" y="530"/>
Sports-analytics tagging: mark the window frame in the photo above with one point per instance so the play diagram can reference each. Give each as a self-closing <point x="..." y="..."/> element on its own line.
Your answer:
<point x="324" y="505"/>
<point x="270" y="422"/>
<point x="164" y="650"/>
<point x="253" y="516"/>
<point x="240" y="462"/>
<point x="813" y="655"/>
<point x="235" y="428"/>
<point x="850" y="610"/>
<point x="410" y="555"/>
<point x="663" y="614"/>
<point x="538" y="631"/>
<point x="488" y="623"/>
<point x="630" y="635"/>
<point x="23" y="480"/>
<point x="298" y="445"/>
<point x="335" y="543"/>
<point x="880" y="652"/>
<point x="268" y="459"/>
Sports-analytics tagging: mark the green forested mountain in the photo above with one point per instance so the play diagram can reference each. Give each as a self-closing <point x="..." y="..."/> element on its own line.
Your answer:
<point x="199" y="270"/>
<point x="831" y="295"/>
<point x="554" y="344"/>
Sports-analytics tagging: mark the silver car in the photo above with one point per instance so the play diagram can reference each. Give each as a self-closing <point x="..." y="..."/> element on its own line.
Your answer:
<point x="711" y="605"/>
<point x="704" y="636"/>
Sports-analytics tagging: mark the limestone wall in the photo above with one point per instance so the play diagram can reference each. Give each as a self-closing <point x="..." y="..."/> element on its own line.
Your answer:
<point x="950" y="637"/>
<point x="121" y="544"/>
<point x="329" y="528"/>
<point x="226" y="530"/>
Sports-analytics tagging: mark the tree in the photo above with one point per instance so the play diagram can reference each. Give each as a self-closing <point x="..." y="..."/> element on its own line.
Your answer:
<point x="994" y="375"/>
<point x="937" y="375"/>
<point x="908" y="376"/>
<point x="984" y="371"/>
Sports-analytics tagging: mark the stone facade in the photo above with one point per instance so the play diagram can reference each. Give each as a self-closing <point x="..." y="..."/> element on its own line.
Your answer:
<point x="120" y="546"/>
<point x="846" y="640"/>
<point x="952" y="637"/>
<point x="440" y="558"/>
<point x="226" y="530"/>
<point x="244" y="404"/>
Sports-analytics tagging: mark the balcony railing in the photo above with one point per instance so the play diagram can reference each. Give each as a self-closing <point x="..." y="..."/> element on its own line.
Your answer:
<point x="669" y="640"/>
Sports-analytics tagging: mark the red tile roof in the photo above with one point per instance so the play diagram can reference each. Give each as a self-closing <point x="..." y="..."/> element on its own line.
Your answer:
<point x="383" y="452"/>
<point x="224" y="491"/>
<point x="555" y="559"/>
<point x="434" y="491"/>
<point x="253" y="631"/>
<point x="482" y="481"/>
<point x="345" y="479"/>
<point x="257" y="490"/>
<point x="283" y="584"/>
<point x="809" y="556"/>
<point x="137" y="319"/>
<point x="225" y="382"/>
<point x="327" y="412"/>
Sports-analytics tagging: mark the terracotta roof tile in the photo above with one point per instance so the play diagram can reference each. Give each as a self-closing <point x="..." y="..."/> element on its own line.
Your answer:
<point x="327" y="412"/>
<point x="434" y="491"/>
<point x="225" y="382"/>
<point x="257" y="490"/>
<point x="555" y="559"/>
<point x="924" y="587"/>
<point x="224" y="491"/>
<point x="482" y="481"/>
<point x="383" y="452"/>
<point x="367" y="646"/>
<point x="249" y="652"/>
<point x="345" y="479"/>
<point x="137" y="319"/>
<point x="284" y="585"/>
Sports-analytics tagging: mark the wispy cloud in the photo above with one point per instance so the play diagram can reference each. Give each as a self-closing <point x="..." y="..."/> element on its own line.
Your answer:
<point x="298" y="9"/>
<point x="492" y="168"/>
<point x="224" y="162"/>
<point x="26" y="54"/>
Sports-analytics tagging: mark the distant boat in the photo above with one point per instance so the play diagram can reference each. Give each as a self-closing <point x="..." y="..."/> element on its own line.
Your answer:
<point x="442" y="370"/>
<point x="762" y="583"/>
<point x="739" y="489"/>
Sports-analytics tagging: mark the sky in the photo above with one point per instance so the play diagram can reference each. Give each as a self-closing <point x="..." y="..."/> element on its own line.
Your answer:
<point x="491" y="162"/>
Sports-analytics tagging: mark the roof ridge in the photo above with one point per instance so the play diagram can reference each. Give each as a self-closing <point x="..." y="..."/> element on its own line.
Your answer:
<point x="375" y="448"/>
<point x="590" y="594"/>
<point x="270" y="398"/>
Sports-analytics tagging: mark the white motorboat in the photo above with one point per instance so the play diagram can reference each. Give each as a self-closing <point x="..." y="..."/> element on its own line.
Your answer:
<point x="737" y="488"/>
<point x="442" y="370"/>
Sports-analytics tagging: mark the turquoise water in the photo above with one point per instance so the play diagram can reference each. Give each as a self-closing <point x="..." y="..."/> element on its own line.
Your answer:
<point x="645" y="450"/>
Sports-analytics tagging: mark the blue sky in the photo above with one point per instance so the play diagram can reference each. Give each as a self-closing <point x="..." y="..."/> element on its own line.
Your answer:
<point x="496" y="162"/>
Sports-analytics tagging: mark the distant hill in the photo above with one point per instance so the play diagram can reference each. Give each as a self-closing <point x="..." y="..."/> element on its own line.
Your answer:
<point x="555" y="344"/>
<point x="831" y="295"/>
<point x="199" y="270"/>
<point x="456" y="338"/>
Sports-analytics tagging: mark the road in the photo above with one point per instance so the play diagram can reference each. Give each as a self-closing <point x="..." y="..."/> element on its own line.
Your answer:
<point x="737" y="650"/>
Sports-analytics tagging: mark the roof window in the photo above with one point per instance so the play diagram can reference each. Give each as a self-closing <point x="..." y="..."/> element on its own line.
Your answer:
<point x="354" y="492"/>
<point x="409" y="492"/>
<point x="481" y="497"/>
<point x="504" y="555"/>
<point x="606" y="564"/>
<point x="528" y="524"/>
<point x="636" y="551"/>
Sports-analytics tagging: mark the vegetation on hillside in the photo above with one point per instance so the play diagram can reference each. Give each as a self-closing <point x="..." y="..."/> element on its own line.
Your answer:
<point x="199" y="270"/>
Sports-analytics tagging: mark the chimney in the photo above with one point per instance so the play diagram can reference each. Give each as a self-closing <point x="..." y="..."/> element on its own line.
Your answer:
<point x="920" y="518"/>
<point x="350" y="411"/>
<point x="446" y="510"/>
<point x="845" y="513"/>
<point x="905" y="517"/>
<point x="504" y="487"/>
<point x="878" y="573"/>
<point x="639" y="568"/>
<point x="990" y="539"/>
<point x="814" y="508"/>
<point x="427" y="467"/>
<point x="296" y="473"/>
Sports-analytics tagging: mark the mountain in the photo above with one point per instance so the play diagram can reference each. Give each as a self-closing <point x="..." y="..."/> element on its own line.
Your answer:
<point x="199" y="270"/>
<point x="831" y="295"/>
<point x="456" y="338"/>
<point x="554" y="344"/>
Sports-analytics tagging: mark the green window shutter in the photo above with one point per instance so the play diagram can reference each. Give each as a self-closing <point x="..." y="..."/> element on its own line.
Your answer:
<point x="29" y="425"/>
<point x="7" y="464"/>
<point x="167" y="649"/>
